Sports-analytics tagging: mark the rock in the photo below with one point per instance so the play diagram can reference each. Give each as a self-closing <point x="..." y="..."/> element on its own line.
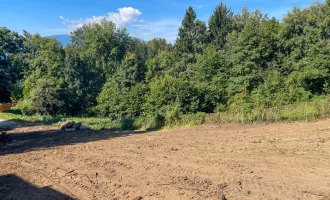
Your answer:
<point x="67" y="124"/>
<point x="83" y="127"/>
<point x="138" y="198"/>
<point x="77" y="125"/>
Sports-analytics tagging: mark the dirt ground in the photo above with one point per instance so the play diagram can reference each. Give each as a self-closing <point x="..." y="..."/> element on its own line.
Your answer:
<point x="275" y="161"/>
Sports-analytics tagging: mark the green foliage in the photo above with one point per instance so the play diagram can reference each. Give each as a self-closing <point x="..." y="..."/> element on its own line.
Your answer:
<point x="94" y="56"/>
<point x="188" y="120"/>
<point x="17" y="90"/>
<point x="127" y="124"/>
<point x="10" y="47"/>
<point x="26" y="107"/>
<point x="150" y="122"/>
<point x="220" y="24"/>
<point x="111" y="100"/>
<point x="135" y="98"/>
<point x="246" y="66"/>
<point x="92" y="122"/>
<point x="156" y="45"/>
<point x="116" y="102"/>
<point x="169" y="91"/>
<point x="42" y="99"/>
<point x="192" y="34"/>
<point x="305" y="111"/>
<point x="131" y="71"/>
<point x="159" y="65"/>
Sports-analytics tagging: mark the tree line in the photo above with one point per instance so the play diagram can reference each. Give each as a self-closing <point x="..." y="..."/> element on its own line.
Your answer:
<point x="233" y="62"/>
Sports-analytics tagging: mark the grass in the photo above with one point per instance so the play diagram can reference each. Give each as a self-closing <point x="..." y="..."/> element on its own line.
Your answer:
<point x="92" y="122"/>
<point x="308" y="111"/>
<point x="188" y="120"/>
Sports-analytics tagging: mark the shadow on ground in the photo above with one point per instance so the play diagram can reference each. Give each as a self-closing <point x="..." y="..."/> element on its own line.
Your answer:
<point x="14" y="188"/>
<point x="21" y="141"/>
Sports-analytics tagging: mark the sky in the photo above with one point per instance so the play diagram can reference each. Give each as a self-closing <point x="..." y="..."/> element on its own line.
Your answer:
<point x="145" y="19"/>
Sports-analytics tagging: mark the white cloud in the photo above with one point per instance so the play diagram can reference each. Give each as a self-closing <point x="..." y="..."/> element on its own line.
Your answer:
<point x="128" y="17"/>
<point x="123" y="17"/>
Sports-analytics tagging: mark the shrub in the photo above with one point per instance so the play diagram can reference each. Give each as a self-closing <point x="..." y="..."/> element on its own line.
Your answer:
<point x="194" y="119"/>
<point x="317" y="109"/>
<point x="116" y="102"/>
<point x="126" y="123"/>
<point x="26" y="107"/>
<point x="43" y="99"/>
<point x="170" y="91"/>
<point x="172" y="114"/>
<point x="151" y="122"/>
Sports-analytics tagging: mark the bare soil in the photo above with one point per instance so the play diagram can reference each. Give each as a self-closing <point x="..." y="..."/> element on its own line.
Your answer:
<point x="275" y="161"/>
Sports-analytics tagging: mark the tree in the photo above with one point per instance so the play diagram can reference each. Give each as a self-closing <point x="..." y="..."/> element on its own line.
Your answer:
<point x="95" y="55"/>
<point x="186" y="32"/>
<point x="44" y="98"/>
<point x="220" y="24"/>
<point x="239" y="63"/>
<point x="157" y="45"/>
<point x="10" y="47"/>
<point x="252" y="51"/>
<point x="192" y="34"/>
<point x="159" y="65"/>
<point x="115" y="101"/>
<point x="131" y="71"/>
<point x="170" y="91"/>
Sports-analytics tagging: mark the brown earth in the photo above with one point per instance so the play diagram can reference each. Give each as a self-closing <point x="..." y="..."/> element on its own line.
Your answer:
<point x="276" y="161"/>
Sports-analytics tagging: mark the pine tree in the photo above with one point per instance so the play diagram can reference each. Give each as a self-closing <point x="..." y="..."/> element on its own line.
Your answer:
<point x="192" y="34"/>
<point x="220" y="24"/>
<point x="184" y="43"/>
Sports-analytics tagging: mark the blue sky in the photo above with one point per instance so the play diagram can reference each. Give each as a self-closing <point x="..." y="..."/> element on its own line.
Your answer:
<point x="144" y="19"/>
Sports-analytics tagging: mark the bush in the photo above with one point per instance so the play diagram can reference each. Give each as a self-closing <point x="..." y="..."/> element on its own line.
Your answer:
<point x="307" y="111"/>
<point x="116" y="102"/>
<point x="169" y="91"/>
<point x="151" y="122"/>
<point x="26" y="107"/>
<point x="43" y="99"/>
<point x="126" y="123"/>
<point x="172" y="115"/>
<point x="195" y="119"/>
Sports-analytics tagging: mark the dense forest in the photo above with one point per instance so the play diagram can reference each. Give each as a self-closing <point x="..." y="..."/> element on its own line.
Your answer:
<point x="234" y="62"/>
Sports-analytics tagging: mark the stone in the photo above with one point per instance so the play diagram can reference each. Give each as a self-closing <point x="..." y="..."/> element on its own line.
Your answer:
<point x="77" y="125"/>
<point x="67" y="124"/>
<point x="83" y="127"/>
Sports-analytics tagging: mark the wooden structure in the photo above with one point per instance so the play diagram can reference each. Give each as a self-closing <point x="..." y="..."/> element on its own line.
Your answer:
<point x="5" y="106"/>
